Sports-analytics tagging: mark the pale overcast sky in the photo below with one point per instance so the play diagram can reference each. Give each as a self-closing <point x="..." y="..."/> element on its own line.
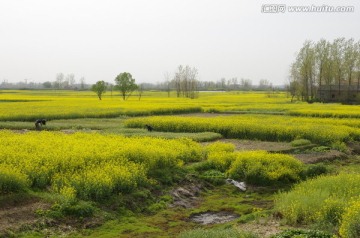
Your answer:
<point x="99" y="39"/>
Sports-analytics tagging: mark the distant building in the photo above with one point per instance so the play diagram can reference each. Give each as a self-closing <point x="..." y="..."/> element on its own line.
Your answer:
<point x="343" y="93"/>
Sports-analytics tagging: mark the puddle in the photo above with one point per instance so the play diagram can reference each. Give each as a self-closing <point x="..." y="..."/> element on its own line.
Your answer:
<point x="209" y="217"/>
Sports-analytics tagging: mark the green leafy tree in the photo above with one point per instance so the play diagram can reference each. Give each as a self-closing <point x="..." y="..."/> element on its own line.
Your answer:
<point x="47" y="84"/>
<point x="99" y="88"/>
<point x="126" y="84"/>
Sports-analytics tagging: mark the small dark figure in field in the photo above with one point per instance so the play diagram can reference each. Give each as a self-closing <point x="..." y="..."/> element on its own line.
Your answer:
<point x="39" y="123"/>
<point x="149" y="128"/>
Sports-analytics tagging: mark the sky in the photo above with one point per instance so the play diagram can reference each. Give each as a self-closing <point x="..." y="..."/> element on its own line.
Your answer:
<point x="98" y="39"/>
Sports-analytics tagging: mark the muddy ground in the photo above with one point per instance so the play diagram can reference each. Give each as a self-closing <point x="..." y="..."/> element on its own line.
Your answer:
<point x="16" y="215"/>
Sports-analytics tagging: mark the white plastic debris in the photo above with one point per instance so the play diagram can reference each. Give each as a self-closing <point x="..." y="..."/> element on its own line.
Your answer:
<point x="240" y="185"/>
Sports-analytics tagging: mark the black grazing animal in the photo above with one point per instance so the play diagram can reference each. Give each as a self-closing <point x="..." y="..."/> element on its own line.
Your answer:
<point x="149" y="128"/>
<point x="39" y="123"/>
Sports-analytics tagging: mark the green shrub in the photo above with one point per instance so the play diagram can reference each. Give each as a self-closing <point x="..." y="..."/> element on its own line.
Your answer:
<point x="300" y="142"/>
<point x="79" y="209"/>
<point x="340" y="146"/>
<point x="12" y="180"/>
<point x="298" y="233"/>
<point x="201" y="166"/>
<point x="263" y="168"/>
<point x="214" y="176"/>
<point x="313" y="170"/>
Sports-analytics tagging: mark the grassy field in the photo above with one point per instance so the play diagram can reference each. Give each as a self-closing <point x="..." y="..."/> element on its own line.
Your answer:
<point x="95" y="171"/>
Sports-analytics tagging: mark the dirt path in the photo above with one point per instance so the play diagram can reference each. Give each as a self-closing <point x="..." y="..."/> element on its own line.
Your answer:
<point x="241" y="145"/>
<point x="263" y="227"/>
<point x="317" y="157"/>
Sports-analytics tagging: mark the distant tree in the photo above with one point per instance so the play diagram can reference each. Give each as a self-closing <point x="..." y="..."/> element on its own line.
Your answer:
<point x="82" y="83"/>
<point x="186" y="81"/>
<point x="99" y="88"/>
<point x="126" y="84"/>
<point x="350" y="58"/>
<point x="167" y="77"/>
<point x="223" y="83"/>
<point x="47" y="84"/>
<point x="59" y="80"/>
<point x="246" y="84"/>
<point x="264" y="84"/>
<point x="234" y="83"/>
<point x="110" y="86"/>
<point x="70" y="80"/>
<point x="140" y="90"/>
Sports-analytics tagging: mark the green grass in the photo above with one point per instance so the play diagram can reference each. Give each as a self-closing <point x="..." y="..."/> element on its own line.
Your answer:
<point x="106" y="125"/>
<point x="170" y="222"/>
<point x="216" y="233"/>
<point x="300" y="142"/>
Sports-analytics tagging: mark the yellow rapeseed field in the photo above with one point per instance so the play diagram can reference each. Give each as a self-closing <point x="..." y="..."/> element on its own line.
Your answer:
<point x="260" y="127"/>
<point x="22" y="105"/>
<point x="93" y="165"/>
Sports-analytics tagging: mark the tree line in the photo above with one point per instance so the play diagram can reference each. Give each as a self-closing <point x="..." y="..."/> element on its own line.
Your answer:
<point x="324" y="63"/>
<point x="184" y="82"/>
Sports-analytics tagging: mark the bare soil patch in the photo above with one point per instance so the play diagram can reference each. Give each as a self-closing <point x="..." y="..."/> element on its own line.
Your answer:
<point x="15" y="216"/>
<point x="262" y="227"/>
<point x="23" y="131"/>
<point x="280" y="147"/>
<point x="354" y="147"/>
<point x="186" y="196"/>
<point x="316" y="157"/>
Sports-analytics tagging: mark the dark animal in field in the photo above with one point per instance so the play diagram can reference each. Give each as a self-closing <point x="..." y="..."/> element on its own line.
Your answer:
<point x="149" y="128"/>
<point x="39" y="123"/>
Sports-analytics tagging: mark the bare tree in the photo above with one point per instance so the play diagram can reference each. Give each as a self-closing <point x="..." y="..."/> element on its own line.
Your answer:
<point x="186" y="81"/>
<point x="59" y="80"/>
<point x="234" y="83"/>
<point x="264" y="84"/>
<point x="245" y="84"/>
<point x="70" y="79"/>
<point x="223" y="83"/>
<point x="82" y="83"/>
<point x="322" y="58"/>
<point x="350" y="58"/>
<point x="337" y="55"/>
<point x="326" y="63"/>
<point x="167" y="77"/>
